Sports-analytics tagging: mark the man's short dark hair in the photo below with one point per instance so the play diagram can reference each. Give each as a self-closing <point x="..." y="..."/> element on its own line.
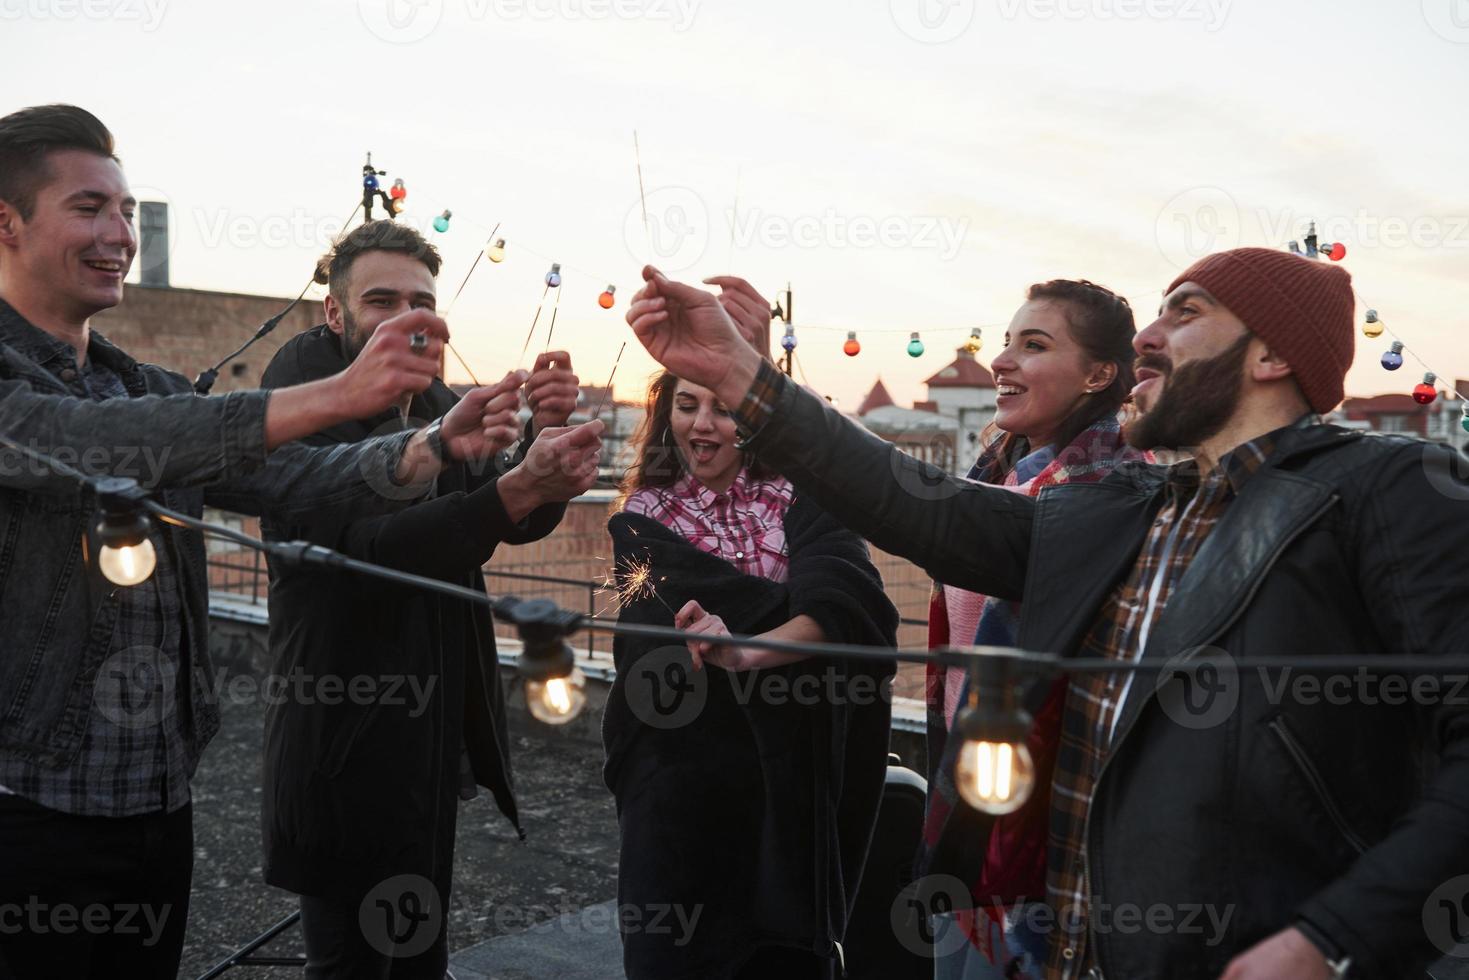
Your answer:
<point x="384" y="235"/>
<point x="29" y="136"/>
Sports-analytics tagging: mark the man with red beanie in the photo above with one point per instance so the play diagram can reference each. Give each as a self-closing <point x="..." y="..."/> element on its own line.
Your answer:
<point x="1207" y="820"/>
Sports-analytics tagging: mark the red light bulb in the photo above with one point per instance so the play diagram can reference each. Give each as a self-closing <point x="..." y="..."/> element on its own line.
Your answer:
<point x="1425" y="392"/>
<point x="606" y="299"/>
<point x="1337" y="253"/>
<point x="851" y="348"/>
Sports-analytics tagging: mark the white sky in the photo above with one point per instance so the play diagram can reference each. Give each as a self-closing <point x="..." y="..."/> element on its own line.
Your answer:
<point x="905" y="164"/>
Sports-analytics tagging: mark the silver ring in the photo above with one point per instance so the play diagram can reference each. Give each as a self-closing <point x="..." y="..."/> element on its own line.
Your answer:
<point x="418" y="343"/>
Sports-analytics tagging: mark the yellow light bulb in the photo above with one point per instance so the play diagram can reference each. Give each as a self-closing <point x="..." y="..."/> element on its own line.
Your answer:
<point x="995" y="777"/>
<point x="496" y="252"/>
<point x="128" y="565"/>
<point x="974" y="343"/>
<point x="557" y="700"/>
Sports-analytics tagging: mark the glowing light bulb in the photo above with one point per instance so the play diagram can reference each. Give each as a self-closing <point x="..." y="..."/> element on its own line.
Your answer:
<point x="127" y="564"/>
<point x="915" y="346"/>
<point x="975" y="342"/>
<point x="1373" y="327"/>
<point x="607" y="298"/>
<point x="851" y="348"/>
<point x="995" y="777"/>
<point x="1424" y="392"/>
<point x="441" y="223"/>
<point x="1393" y="359"/>
<point x="496" y="252"/>
<point x="557" y="700"/>
<point x="1336" y="252"/>
<point x="553" y="278"/>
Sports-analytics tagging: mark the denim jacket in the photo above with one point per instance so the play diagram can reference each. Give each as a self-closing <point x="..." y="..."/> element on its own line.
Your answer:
<point x="58" y="612"/>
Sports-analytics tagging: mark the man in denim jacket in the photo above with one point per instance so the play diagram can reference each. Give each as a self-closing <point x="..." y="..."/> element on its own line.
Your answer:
<point x="102" y="712"/>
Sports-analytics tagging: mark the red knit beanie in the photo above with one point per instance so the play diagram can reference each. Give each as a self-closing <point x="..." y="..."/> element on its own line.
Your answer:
<point x="1301" y="307"/>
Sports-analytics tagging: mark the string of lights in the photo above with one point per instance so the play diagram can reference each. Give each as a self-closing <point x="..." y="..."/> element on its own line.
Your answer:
<point x="994" y="771"/>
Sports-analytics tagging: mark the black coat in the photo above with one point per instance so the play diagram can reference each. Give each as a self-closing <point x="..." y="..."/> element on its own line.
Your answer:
<point x="1347" y="816"/>
<point x="752" y="805"/>
<point x="363" y="789"/>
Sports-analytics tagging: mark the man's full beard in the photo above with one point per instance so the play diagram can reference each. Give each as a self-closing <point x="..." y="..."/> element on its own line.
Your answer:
<point x="1196" y="402"/>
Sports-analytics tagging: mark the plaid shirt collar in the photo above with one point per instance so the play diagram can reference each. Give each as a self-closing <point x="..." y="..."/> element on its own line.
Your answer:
<point x="689" y="485"/>
<point x="1236" y="466"/>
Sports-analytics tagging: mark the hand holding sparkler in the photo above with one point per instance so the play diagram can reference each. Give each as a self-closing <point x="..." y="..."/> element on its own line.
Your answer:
<point x="689" y="333"/>
<point x="749" y="310"/>
<point x="552" y="391"/>
<point x="484" y="422"/>
<point x="559" y="465"/>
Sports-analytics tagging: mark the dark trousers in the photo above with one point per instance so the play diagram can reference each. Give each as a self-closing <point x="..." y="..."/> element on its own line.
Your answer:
<point x="782" y="963"/>
<point x="92" y="896"/>
<point x="338" y="949"/>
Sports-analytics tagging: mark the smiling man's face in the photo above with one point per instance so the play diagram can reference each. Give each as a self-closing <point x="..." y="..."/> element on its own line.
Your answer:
<point x="80" y="238"/>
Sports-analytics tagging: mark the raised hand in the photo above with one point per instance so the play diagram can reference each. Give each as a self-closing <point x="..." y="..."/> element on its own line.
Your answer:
<point x="749" y="310"/>
<point x="484" y="421"/>
<point x="689" y="333"/>
<point x="559" y="465"/>
<point x="552" y="391"/>
<point x="389" y="367"/>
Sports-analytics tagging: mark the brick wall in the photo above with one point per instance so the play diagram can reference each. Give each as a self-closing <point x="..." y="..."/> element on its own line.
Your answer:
<point x="189" y="330"/>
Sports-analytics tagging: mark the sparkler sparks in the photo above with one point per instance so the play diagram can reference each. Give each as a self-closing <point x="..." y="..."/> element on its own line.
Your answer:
<point x="637" y="583"/>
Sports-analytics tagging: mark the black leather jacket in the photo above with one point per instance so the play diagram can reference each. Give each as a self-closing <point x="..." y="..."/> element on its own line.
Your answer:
<point x="1335" y="805"/>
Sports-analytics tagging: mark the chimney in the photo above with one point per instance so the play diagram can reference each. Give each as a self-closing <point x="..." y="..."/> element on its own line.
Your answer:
<point x="153" y="249"/>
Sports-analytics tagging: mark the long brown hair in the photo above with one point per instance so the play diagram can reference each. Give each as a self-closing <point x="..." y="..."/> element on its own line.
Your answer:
<point x="656" y="460"/>
<point x="1102" y="324"/>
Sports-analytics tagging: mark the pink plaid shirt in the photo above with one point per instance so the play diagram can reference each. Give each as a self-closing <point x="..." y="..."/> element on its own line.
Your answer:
<point x="744" y="525"/>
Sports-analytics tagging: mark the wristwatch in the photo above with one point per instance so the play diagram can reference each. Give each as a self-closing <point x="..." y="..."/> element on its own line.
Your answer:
<point x="434" y="435"/>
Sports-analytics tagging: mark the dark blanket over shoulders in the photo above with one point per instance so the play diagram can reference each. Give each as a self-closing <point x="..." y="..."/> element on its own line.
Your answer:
<point x="746" y="800"/>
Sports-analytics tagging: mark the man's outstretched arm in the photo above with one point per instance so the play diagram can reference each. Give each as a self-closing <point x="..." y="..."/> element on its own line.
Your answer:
<point x="963" y="533"/>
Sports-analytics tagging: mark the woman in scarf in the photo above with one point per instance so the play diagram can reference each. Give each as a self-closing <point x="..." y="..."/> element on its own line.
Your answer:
<point x="747" y="782"/>
<point x="1061" y="383"/>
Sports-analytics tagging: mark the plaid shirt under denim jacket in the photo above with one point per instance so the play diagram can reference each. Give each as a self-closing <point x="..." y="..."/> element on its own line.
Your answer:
<point x="86" y="725"/>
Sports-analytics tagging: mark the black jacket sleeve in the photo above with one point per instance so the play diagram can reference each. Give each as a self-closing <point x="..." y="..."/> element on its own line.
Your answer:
<point x="832" y="580"/>
<point x="966" y="534"/>
<point x="1411" y="544"/>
